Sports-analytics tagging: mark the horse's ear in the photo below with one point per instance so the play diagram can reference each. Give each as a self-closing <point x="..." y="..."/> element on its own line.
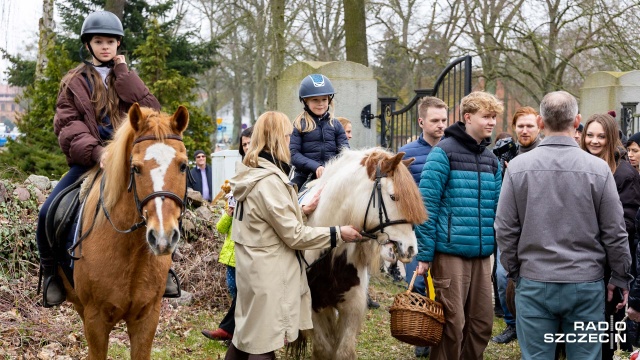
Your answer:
<point x="181" y="119"/>
<point x="135" y="115"/>
<point x="390" y="164"/>
<point x="408" y="161"/>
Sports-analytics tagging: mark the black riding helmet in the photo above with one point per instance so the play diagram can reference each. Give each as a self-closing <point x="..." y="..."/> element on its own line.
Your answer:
<point x="102" y="23"/>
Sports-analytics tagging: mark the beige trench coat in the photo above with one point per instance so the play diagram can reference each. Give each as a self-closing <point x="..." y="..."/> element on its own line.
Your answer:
<point x="273" y="300"/>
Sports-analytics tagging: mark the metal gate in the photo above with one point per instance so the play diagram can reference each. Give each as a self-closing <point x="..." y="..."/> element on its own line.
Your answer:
<point x="400" y="127"/>
<point x="629" y="120"/>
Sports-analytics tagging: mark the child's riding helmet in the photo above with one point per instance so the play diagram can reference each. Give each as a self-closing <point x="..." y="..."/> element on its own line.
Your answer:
<point x="315" y="85"/>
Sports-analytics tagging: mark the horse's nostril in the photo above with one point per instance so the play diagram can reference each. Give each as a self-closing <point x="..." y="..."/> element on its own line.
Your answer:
<point x="152" y="238"/>
<point x="175" y="237"/>
<point x="411" y="251"/>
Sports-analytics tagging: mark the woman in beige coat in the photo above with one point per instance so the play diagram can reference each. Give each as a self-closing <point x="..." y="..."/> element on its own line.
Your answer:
<point x="273" y="301"/>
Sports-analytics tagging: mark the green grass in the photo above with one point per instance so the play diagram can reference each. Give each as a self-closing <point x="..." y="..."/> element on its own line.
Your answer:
<point x="179" y="335"/>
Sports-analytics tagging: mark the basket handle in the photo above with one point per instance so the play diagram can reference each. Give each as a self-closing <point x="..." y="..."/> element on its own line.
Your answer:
<point x="413" y="279"/>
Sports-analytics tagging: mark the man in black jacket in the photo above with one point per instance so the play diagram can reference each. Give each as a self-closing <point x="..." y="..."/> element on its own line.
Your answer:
<point x="200" y="179"/>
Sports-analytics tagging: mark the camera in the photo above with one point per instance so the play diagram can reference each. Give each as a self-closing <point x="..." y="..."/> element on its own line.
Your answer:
<point x="505" y="149"/>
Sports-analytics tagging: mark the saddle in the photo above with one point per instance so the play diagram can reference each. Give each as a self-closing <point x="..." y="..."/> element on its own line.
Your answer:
<point x="62" y="214"/>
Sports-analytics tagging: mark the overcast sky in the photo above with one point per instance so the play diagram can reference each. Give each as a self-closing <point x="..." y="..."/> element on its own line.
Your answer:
<point x="18" y="28"/>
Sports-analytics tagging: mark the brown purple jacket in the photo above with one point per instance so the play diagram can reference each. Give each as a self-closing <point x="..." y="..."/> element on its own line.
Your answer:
<point x="76" y="123"/>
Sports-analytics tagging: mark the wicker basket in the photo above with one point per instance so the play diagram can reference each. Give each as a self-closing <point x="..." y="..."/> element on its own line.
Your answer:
<point x="416" y="319"/>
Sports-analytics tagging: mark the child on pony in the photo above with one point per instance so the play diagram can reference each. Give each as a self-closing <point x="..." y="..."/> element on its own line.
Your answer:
<point x="317" y="136"/>
<point x="92" y="102"/>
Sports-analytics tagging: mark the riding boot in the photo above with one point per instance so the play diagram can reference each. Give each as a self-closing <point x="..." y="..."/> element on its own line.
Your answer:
<point x="53" y="293"/>
<point x="172" y="289"/>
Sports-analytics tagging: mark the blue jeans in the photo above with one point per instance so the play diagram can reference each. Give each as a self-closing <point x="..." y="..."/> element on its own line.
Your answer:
<point x="543" y="307"/>
<point x="231" y="281"/>
<point x="418" y="285"/>
<point x="74" y="173"/>
<point x="501" y="277"/>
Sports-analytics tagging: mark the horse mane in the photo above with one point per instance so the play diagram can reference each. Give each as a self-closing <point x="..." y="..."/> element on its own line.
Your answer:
<point x="405" y="190"/>
<point x="117" y="163"/>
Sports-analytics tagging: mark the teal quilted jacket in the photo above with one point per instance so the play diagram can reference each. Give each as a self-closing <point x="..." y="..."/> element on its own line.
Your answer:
<point x="460" y="184"/>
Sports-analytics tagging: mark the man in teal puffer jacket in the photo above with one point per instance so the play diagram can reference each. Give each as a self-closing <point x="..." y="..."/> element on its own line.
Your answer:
<point x="460" y="184"/>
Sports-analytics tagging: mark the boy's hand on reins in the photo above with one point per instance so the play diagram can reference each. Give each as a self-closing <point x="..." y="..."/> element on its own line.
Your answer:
<point x="349" y="233"/>
<point x="319" y="171"/>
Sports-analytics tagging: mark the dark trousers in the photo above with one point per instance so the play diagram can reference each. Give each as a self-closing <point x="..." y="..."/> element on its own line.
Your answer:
<point x="235" y="354"/>
<point x="46" y="252"/>
<point x="228" y="323"/>
<point x="301" y="178"/>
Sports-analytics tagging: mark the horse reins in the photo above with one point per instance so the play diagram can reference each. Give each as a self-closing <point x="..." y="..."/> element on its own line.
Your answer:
<point x="139" y="204"/>
<point x="382" y="212"/>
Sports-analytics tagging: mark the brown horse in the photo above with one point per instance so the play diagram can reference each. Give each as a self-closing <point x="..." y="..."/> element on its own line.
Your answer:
<point x="121" y="274"/>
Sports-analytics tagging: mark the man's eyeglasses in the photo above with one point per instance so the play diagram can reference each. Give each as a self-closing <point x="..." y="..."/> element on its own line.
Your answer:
<point x="200" y="156"/>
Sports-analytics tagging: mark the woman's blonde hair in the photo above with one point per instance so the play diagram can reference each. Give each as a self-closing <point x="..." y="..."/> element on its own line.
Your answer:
<point x="105" y="100"/>
<point x="344" y="121"/>
<point x="310" y="125"/>
<point x="269" y="134"/>
<point x="611" y="136"/>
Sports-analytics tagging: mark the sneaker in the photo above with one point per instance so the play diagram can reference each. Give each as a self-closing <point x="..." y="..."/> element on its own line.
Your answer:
<point x="422" y="352"/>
<point x="218" y="334"/>
<point x="508" y="335"/>
<point x="371" y="304"/>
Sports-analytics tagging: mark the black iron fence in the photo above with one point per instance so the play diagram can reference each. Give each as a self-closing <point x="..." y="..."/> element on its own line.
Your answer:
<point x="399" y="127"/>
<point x="629" y="119"/>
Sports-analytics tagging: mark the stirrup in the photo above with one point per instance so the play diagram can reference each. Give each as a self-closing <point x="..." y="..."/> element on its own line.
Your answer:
<point x="48" y="280"/>
<point x="172" y="277"/>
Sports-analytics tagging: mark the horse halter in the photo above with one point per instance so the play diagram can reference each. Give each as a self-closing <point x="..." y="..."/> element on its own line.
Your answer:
<point x="132" y="188"/>
<point x="382" y="210"/>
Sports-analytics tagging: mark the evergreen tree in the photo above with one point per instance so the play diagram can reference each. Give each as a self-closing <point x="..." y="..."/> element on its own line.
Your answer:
<point x="186" y="57"/>
<point x="171" y="88"/>
<point x="38" y="152"/>
<point x="22" y="72"/>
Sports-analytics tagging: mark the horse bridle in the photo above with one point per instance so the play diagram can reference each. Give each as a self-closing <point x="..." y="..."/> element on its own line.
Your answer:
<point x="132" y="188"/>
<point x="382" y="210"/>
<point x="371" y="233"/>
<point x="139" y="204"/>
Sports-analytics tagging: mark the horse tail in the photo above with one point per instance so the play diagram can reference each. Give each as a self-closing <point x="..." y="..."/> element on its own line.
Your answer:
<point x="298" y="349"/>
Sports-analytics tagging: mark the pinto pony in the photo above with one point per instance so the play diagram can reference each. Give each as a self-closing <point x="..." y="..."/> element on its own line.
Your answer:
<point x="373" y="190"/>
<point x="132" y="217"/>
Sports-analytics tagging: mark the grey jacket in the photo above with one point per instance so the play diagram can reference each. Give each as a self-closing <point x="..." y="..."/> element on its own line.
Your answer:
<point x="559" y="217"/>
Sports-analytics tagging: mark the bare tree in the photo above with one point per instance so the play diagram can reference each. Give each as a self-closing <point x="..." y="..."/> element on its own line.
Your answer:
<point x="116" y="7"/>
<point x="355" y="31"/>
<point x="488" y="25"/>
<point x="278" y="49"/>
<point x="46" y="26"/>
<point x="572" y="38"/>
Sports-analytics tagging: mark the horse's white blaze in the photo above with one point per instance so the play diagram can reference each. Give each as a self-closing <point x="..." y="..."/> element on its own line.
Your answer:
<point x="163" y="154"/>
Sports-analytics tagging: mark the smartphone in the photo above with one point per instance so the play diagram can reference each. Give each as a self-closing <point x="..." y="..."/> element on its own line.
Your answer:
<point x="231" y="202"/>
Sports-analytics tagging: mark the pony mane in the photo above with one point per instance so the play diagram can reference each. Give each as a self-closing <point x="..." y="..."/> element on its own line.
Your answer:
<point x="117" y="163"/>
<point x="405" y="187"/>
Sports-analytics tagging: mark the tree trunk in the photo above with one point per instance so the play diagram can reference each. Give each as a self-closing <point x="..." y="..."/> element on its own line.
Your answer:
<point x="47" y="34"/>
<point x="278" y="50"/>
<point x="116" y="7"/>
<point x="355" y="31"/>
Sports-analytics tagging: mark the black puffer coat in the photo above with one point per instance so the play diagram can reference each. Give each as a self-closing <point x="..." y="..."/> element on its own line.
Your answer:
<point x="310" y="150"/>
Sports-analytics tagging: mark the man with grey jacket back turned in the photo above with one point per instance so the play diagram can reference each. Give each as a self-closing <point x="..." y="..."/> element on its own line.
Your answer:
<point x="559" y="220"/>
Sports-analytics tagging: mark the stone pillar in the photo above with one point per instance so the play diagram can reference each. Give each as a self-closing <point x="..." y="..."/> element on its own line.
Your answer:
<point x="608" y="90"/>
<point x="355" y="88"/>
